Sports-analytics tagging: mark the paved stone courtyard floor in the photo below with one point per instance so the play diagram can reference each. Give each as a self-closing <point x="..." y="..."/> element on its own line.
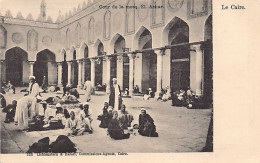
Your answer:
<point x="180" y="129"/>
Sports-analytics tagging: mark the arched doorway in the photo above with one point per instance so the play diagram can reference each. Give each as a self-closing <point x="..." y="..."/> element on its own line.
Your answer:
<point x="17" y="66"/>
<point x="148" y="61"/>
<point x="64" y="69"/>
<point x="87" y="64"/>
<point x="74" y="69"/>
<point x="208" y="61"/>
<point x="180" y="55"/>
<point x="99" y="65"/>
<point x="45" y="66"/>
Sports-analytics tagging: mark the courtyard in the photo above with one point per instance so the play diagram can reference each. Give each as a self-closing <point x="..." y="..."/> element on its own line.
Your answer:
<point x="180" y="129"/>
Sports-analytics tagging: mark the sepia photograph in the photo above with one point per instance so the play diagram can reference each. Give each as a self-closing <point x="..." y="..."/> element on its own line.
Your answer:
<point x="106" y="77"/>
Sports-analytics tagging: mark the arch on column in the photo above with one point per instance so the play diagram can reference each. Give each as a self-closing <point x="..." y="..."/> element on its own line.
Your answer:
<point x="64" y="68"/>
<point x="147" y="61"/>
<point x="17" y="66"/>
<point x="45" y="65"/>
<point x="118" y="45"/>
<point x="208" y="61"/>
<point x="99" y="49"/>
<point x="175" y="32"/>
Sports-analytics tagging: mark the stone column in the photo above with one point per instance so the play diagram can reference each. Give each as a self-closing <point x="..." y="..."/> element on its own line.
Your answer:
<point x="131" y="73"/>
<point x="199" y="70"/>
<point x="83" y="72"/>
<point x="160" y="54"/>
<point x="108" y="61"/>
<point x="93" y="72"/>
<point x="59" y="74"/>
<point x="120" y="71"/>
<point x="31" y="68"/>
<point x="79" y="73"/>
<point x="69" y="73"/>
<point x="1" y="79"/>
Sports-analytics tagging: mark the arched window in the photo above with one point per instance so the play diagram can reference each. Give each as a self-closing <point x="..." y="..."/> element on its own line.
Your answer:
<point x="107" y="17"/>
<point x="32" y="40"/>
<point x="157" y="17"/>
<point x="78" y="28"/>
<point x="130" y="17"/>
<point x="68" y="39"/>
<point x="3" y="37"/>
<point x="91" y="30"/>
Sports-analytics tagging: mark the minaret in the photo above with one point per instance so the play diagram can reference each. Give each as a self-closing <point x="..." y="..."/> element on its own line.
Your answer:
<point x="43" y="10"/>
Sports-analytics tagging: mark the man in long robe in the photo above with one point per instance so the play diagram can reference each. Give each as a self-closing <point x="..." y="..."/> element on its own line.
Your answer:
<point x="146" y="125"/>
<point x="88" y="88"/>
<point x="115" y="130"/>
<point x="115" y="99"/>
<point x="125" y="118"/>
<point x="25" y="109"/>
<point x="33" y="87"/>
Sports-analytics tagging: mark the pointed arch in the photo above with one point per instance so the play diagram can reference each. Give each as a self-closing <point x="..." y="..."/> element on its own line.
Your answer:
<point x="32" y="40"/>
<point x="3" y="37"/>
<point x="17" y="66"/>
<point x="77" y="39"/>
<point x="173" y="28"/>
<point x="130" y="18"/>
<point x="68" y="38"/>
<point x="208" y="29"/>
<point x="143" y="31"/>
<point x="117" y="39"/>
<point x="91" y="30"/>
<point x="107" y="25"/>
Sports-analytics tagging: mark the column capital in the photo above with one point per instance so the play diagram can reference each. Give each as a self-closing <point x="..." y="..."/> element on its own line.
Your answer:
<point x="31" y="62"/>
<point x="197" y="47"/>
<point x="120" y="58"/>
<point x="160" y="51"/>
<point x="131" y="55"/>
<point x="69" y="62"/>
<point x="79" y="61"/>
<point x="92" y="60"/>
<point x="59" y="63"/>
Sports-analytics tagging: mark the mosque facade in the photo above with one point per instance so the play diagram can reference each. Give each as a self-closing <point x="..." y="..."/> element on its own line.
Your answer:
<point x="151" y="44"/>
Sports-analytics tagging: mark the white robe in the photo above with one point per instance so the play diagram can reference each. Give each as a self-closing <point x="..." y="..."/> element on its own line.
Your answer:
<point x="25" y="109"/>
<point x="117" y="93"/>
<point x="34" y="91"/>
<point x="88" y="88"/>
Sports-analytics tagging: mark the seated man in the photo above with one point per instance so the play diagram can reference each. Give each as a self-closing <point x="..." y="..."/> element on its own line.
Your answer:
<point x="105" y="117"/>
<point x="10" y="86"/>
<point x="57" y="120"/>
<point x="136" y="89"/>
<point x="2" y="101"/>
<point x="73" y="127"/>
<point x="69" y="99"/>
<point x="10" y="112"/>
<point x="125" y="118"/>
<point x="146" y="125"/>
<point x="85" y="117"/>
<point x="114" y="129"/>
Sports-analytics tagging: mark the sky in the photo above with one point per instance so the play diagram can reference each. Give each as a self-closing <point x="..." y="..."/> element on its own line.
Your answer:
<point x="33" y="6"/>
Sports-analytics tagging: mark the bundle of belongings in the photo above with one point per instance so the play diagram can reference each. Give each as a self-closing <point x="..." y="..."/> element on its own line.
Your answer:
<point x="188" y="99"/>
<point x="62" y="145"/>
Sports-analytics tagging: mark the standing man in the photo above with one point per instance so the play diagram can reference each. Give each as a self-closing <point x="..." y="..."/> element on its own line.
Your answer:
<point x="33" y="87"/>
<point x="115" y="99"/>
<point x="26" y="108"/>
<point x="88" y="88"/>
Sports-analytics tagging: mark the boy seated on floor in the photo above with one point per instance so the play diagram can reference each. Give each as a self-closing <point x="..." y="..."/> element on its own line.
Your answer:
<point x="73" y="126"/>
